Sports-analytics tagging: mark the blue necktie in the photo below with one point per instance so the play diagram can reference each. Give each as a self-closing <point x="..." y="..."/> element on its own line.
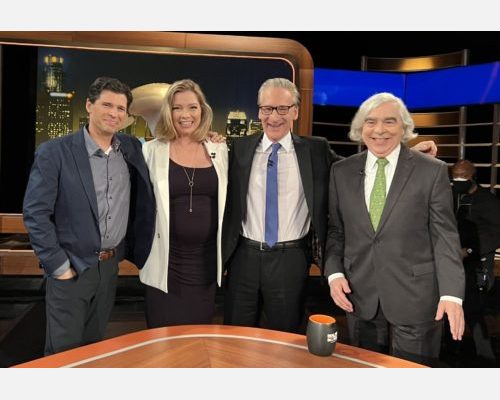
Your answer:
<point x="271" y="234"/>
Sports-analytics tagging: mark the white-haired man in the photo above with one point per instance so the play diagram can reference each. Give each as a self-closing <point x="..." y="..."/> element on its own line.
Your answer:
<point x="393" y="257"/>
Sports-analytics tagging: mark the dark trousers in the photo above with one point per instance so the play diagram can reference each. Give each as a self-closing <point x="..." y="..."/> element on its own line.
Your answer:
<point x="475" y="305"/>
<point x="420" y="343"/>
<point x="272" y="282"/>
<point x="78" y="309"/>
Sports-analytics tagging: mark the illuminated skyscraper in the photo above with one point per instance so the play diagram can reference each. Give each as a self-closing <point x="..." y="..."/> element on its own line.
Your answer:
<point x="59" y="114"/>
<point x="54" y="107"/>
<point x="54" y="74"/>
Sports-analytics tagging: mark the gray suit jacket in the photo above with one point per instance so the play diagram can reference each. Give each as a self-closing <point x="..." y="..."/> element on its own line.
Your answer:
<point x="414" y="257"/>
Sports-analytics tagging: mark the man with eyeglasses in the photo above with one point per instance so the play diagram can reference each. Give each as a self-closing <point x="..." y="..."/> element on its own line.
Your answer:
<point x="276" y="207"/>
<point x="267" y="271"/>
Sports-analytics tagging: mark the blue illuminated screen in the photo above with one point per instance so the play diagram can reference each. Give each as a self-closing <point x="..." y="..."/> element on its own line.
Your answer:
<point x="468" y="85"/>
<point x="477" y="84"/>
<point x="350" y="88"/>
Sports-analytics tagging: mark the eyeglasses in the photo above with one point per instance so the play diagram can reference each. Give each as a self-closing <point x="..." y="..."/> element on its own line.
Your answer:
<point x="281" y="110"/>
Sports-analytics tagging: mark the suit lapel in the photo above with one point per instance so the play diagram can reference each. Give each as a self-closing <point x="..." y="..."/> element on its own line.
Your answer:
<point x="403" y="170"/>
<point x="358" y="199"/>
<point x="128" y="152"/>
<point x="81" y="158"/>
<point x="245" y="154"/>
<point x="305" y="167"/>
<point x="133" y="157"/>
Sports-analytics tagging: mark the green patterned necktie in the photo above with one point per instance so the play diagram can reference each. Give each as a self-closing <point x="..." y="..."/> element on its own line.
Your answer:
<point x="377" y="196"/>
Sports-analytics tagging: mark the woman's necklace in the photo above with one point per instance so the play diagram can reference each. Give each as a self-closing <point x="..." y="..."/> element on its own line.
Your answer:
<point x="190" y="180"/>
<point x="191" y="184"/>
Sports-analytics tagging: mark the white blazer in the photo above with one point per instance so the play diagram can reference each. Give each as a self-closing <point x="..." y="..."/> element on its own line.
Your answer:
<point x="157" y="155"/>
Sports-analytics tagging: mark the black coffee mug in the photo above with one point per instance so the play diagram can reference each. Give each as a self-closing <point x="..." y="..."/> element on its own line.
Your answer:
<point x="321" y="334"/>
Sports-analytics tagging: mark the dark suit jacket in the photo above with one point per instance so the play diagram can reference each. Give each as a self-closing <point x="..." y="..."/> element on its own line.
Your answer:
<point x="314" y="158"/>
<point x="479" y="221"/>
<point x="60" y="205"/>
<point x="414" y="257"/>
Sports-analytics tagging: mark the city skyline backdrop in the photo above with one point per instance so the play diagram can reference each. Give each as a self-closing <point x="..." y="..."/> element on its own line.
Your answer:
<point x="229" y="83"/>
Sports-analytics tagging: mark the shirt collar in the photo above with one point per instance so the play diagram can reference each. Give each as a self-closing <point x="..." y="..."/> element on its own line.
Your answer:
<point x="286" y="142"/>
<point x="371" y="159"/>
<point x="93" y="148"/>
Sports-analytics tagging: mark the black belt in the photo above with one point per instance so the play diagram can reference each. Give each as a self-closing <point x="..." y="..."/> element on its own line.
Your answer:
<point x="106" y="254"/>
<point x="263" y="246"/>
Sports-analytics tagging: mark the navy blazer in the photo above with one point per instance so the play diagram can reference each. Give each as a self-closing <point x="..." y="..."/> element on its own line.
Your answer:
<point x="60" y="205"/>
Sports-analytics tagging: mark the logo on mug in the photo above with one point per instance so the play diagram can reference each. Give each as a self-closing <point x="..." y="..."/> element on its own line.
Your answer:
<point x="321" y="334"/>
<point x="331" y="337"/>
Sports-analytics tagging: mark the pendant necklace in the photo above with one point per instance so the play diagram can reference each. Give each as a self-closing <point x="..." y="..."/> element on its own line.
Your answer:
<point x="190" y="180"/>
<point x="191" y="184"/>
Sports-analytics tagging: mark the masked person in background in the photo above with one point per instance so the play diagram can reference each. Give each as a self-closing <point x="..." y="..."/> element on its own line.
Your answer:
<point x="478" y="217"/>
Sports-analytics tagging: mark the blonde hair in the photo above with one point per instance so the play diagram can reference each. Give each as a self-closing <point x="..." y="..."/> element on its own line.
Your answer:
<point x="165" y="129"/>
<point x="355" y="134"/>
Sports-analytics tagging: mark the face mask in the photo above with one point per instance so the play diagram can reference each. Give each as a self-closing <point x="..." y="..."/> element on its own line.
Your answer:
<point x="460" y="185"/>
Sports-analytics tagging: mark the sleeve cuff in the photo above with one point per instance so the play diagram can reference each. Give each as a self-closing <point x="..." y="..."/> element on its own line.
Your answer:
<point x="61" y="270"/>
<point x="335" y="276"/>
<point x="451" y="298"/>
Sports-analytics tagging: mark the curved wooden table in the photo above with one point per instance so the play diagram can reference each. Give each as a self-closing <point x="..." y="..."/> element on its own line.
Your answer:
<point x="213" y="346"/>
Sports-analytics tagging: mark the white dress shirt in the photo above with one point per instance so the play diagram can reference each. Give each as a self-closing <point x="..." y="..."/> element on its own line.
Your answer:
<point x="293" y="215"/>
<point x="370" y="173"/>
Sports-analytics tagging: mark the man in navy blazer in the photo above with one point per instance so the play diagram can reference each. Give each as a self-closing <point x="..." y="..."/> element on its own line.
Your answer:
<point x="88" y="204"/>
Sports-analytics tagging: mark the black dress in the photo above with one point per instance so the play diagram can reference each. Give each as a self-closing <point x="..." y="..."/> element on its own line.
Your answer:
<point x="192" y="269"/>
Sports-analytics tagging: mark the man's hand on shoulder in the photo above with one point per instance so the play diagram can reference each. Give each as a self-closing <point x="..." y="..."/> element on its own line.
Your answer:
<point x="216" y="138"/>
<point x="427" y="147"/>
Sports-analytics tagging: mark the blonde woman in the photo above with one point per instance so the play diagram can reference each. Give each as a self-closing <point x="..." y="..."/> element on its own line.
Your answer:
<point x="189" y="176"/>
